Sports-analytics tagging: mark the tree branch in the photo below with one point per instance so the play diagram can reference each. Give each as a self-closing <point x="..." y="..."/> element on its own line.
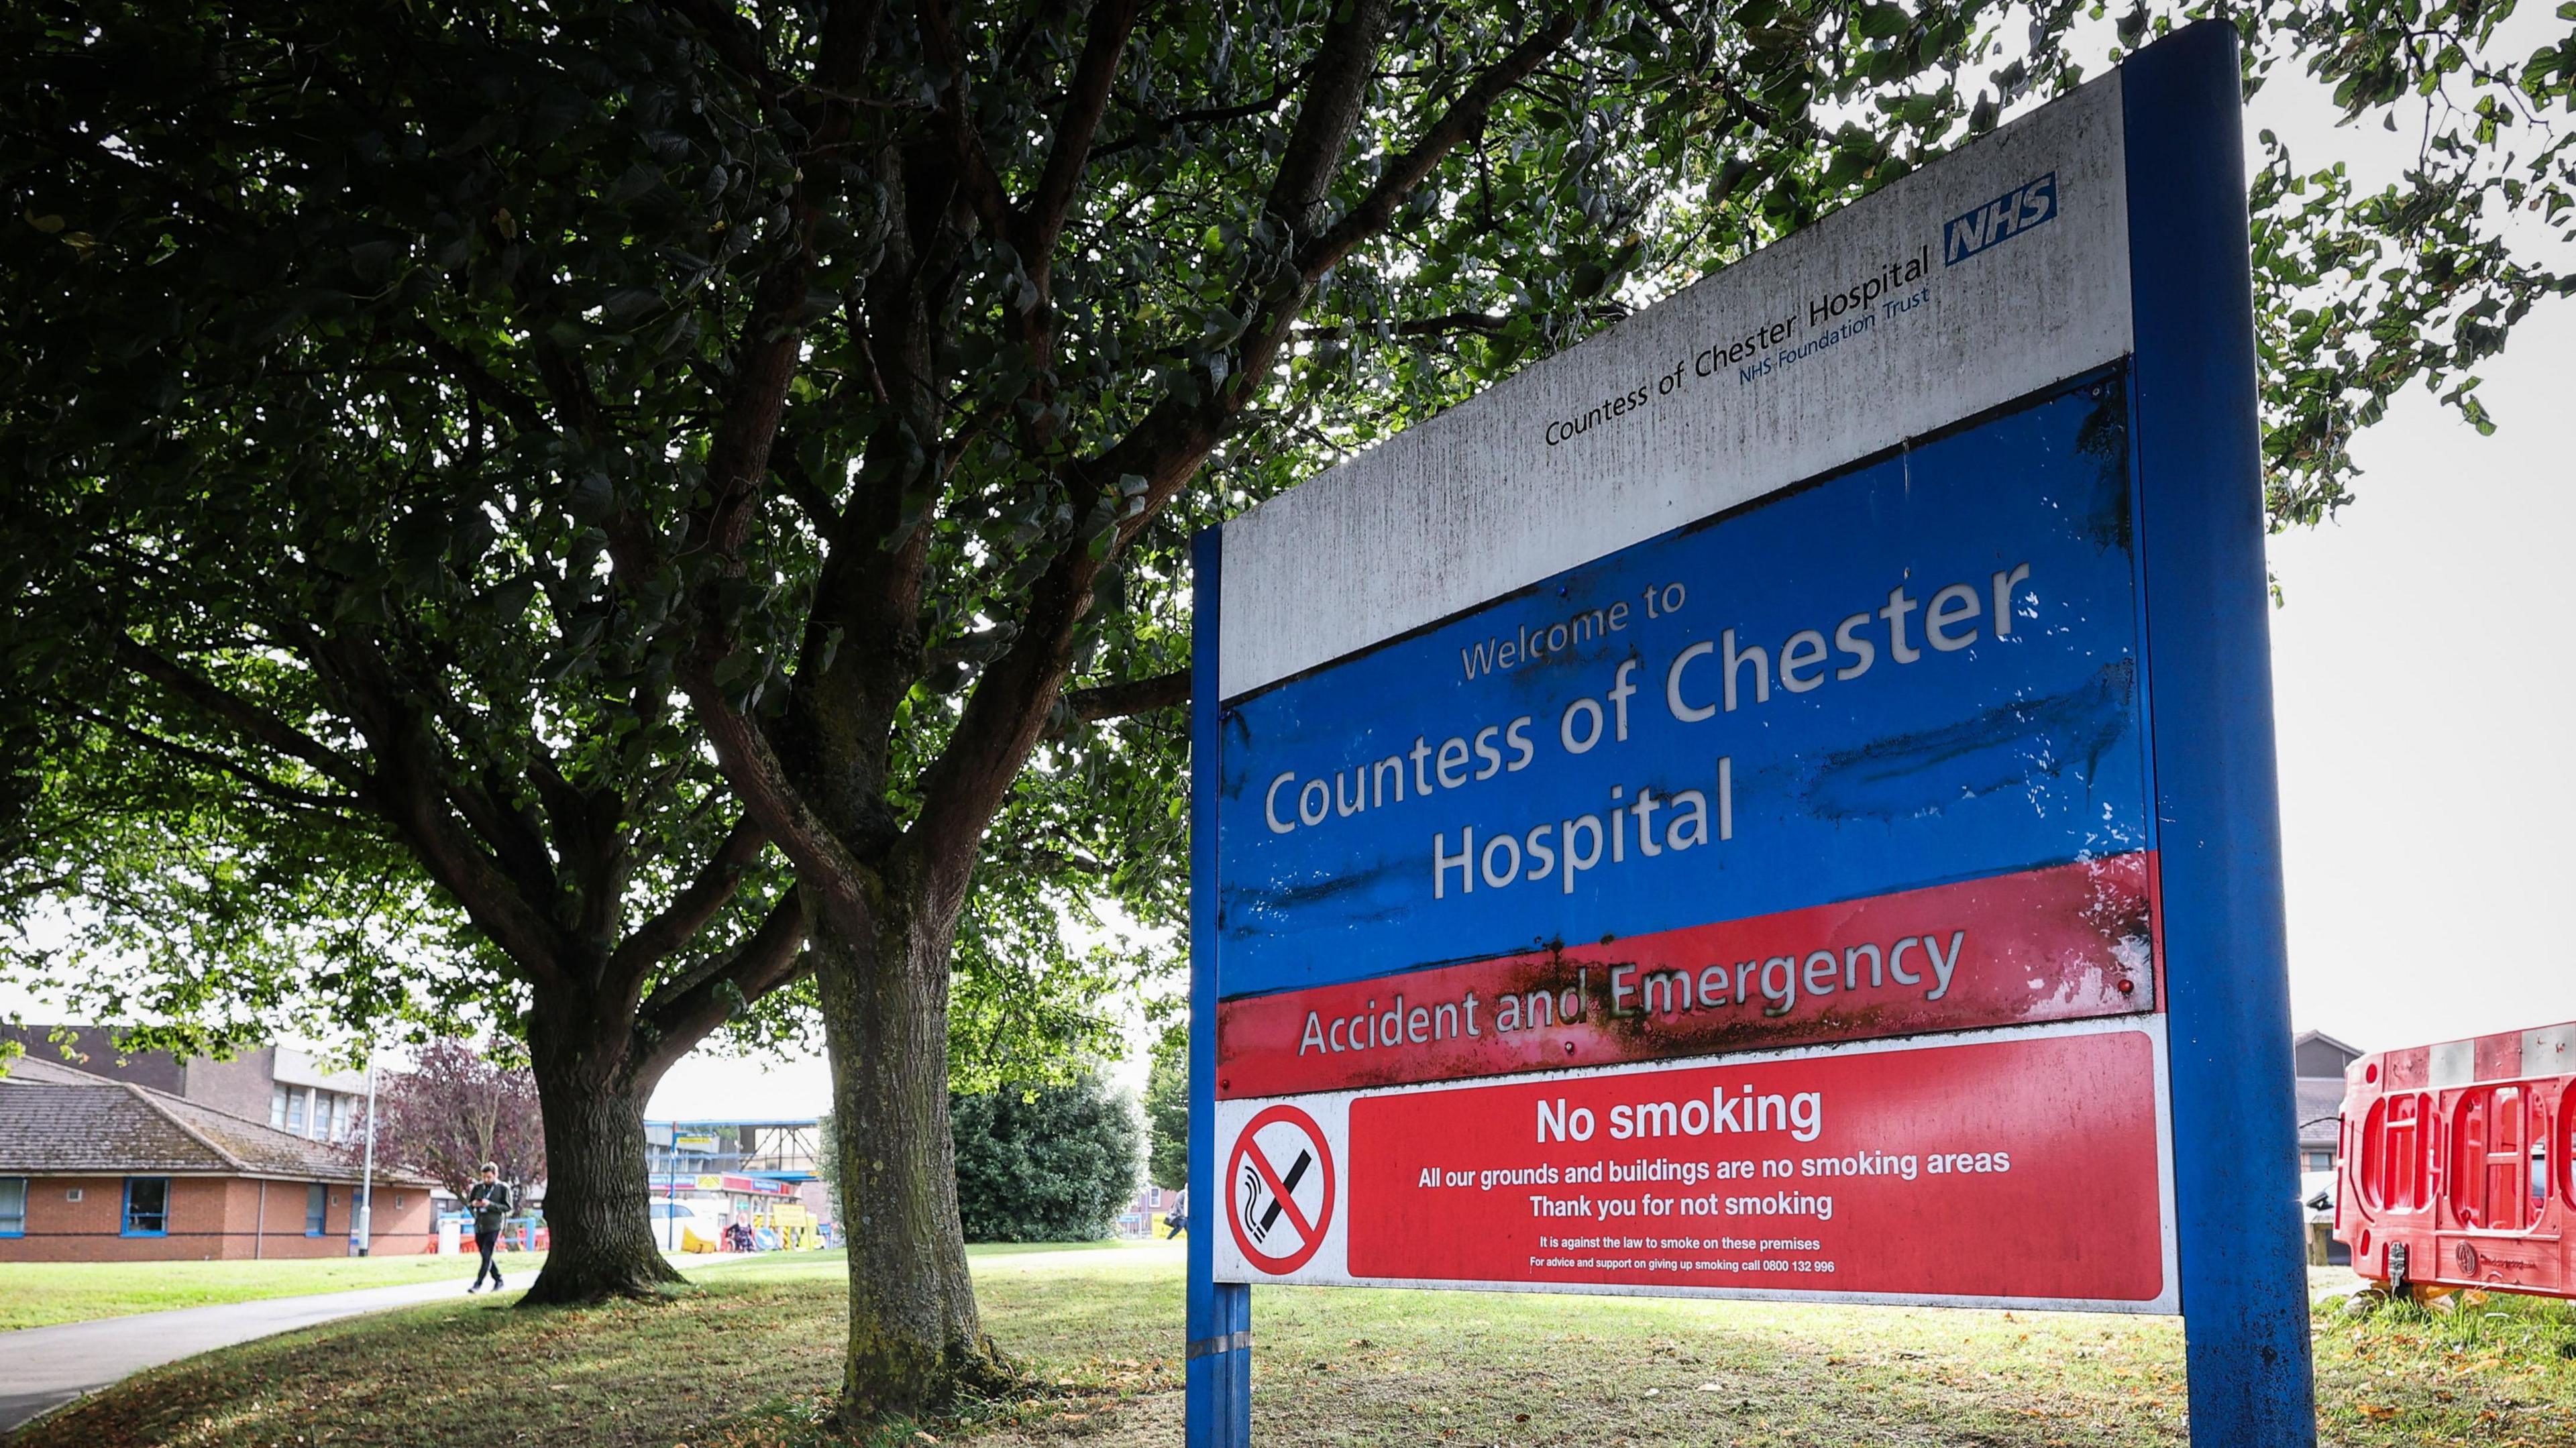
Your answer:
<point x="770" y="348"/>
<point x="975" y="169"/>
<point x="1004" y="716"/>
<point x="1464" y="118"/>
<point x="481" y="385"/>
<point x="250" y="720"/>
<point x="831" y="876"/>
<point x="684" y="1011"/>
<point x="328" y="804"/>
<point x="690" y="909"/>
<point x="1335" y="99"/>
<point x="411" y="787"/>
<point x="1155" y="128"/>
<point x="801" y="487"/>
<point x="1449" y="324"/>
<point x="735" y="40"/>
<point x="1130" y="696"/>
<point x="1006" y="713"/>
<point x="1093" y="75"/>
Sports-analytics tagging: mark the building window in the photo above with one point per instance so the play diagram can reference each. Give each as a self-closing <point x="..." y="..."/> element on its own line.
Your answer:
<point x="2321" y="1161"/>
<point x="13" y="1206"/>
<point x="296" y="1101"/>
<point x="339" y="1117"/>
<point x="317" y="1199"/>
<point x="147" y="1207"/>
<point x="277" y="1107"/>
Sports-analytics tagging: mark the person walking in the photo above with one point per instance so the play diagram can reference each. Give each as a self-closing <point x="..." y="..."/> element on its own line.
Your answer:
<point x="1177" y="1220"/>
<point x="491" y="1202"/>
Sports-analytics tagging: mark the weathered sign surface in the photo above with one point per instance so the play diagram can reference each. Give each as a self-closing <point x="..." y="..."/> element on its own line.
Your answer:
<point x="1854" y="756"/>
<point x="1692" y="819"/>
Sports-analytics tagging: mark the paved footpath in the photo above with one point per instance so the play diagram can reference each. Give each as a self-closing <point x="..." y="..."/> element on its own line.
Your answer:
<point x="42" y="1368"/>
<point x="50" y="1366"/>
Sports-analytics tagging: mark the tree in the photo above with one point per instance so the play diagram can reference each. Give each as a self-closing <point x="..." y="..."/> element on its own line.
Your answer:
<point x="858" y="372"/>
<point x="1051" y="1163"/>
<point x="416" y="764"/>
<point x="1167" y="1111"/>
<point x="454" y="1110"/>
<point x="326" y="614"/>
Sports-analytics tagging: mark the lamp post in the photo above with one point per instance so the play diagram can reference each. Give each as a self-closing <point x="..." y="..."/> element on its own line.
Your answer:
<point x="367" y="1178"/>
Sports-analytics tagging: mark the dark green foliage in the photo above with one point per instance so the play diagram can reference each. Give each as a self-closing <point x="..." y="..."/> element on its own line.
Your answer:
<point x="1049" y="1163"/>
<point x="375" y="323"/>
<point x="1167" y="1112"/>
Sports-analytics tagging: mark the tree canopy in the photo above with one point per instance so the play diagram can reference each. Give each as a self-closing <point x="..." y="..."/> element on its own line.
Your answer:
<point x="592" y="465"/>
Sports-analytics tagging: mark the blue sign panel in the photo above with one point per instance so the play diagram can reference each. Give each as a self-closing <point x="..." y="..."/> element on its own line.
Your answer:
<point x="1921" y="670"/>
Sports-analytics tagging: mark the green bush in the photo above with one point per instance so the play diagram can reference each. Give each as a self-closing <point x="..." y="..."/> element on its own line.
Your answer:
<point x="1044" y="1163"/>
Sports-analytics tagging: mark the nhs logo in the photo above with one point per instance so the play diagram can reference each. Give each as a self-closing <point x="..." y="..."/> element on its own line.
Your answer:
<point x="2008" y="215"/>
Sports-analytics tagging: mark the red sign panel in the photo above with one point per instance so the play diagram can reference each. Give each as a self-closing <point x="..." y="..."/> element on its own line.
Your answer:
<point x="2019" y="1168"/>
<point x="2067" y="942"/>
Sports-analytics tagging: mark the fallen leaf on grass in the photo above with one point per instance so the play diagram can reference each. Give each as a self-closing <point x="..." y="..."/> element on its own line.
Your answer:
<point x="2375" y="1413"/>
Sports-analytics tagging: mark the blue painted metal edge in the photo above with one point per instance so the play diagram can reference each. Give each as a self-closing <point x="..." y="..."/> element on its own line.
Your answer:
<point x="2208" y="653"/>
<point x="1218" y="1395"/>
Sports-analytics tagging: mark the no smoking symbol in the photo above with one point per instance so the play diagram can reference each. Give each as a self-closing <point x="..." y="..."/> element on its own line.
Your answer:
<point x="1279" y="1196"/>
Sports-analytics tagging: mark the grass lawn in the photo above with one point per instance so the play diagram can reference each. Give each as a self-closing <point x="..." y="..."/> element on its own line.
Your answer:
<point x="749" y="1359"/>
<point x="33" y="1294"/>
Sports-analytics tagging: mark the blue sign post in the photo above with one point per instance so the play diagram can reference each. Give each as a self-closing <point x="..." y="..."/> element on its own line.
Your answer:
<point x="2201" y="530"/>
<point x="1846" y="761"/>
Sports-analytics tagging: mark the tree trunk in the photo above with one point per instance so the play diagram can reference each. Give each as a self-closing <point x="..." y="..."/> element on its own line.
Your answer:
<point x="597" y="1220"/>
<point x="916" y="1339"/>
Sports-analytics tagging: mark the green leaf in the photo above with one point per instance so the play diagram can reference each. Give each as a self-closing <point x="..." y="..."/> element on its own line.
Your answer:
<point x="1882" y="21"/>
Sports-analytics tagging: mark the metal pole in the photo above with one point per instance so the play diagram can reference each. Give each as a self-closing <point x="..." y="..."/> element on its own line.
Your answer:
<point x="367" y="1187"/>
<point x="2207" y="674"/>
<point x="1217" y="1391"/>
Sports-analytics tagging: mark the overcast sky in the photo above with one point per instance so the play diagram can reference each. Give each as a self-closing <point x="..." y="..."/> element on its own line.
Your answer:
<point x="2423" y="704"/>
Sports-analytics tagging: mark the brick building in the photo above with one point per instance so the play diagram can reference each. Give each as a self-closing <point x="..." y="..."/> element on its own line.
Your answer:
<point x="95" y="1170"/>
<point x="288" y="1088"/>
